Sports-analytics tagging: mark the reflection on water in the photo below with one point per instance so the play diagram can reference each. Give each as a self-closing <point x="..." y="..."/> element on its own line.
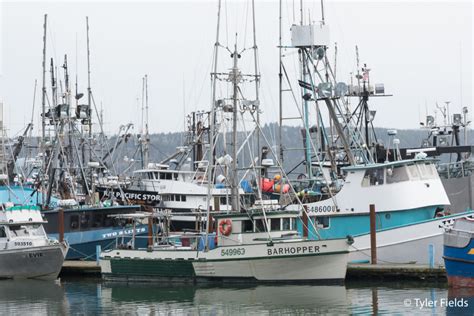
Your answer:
<point x="32" y="297"/>
<point x="91" y="296"/>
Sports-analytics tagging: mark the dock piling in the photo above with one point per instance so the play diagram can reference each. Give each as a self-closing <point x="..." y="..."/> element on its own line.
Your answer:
<point x="98" y="250"/>
<point x="61" y="224"/>
<point x="431" y="252"/>
<point x="373" y="232"/>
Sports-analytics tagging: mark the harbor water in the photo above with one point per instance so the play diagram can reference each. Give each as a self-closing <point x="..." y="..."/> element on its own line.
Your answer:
<point x="93" y="296"/>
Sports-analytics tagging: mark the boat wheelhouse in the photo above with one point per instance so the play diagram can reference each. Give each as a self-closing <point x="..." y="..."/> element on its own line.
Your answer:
<point x="85" y="228"/>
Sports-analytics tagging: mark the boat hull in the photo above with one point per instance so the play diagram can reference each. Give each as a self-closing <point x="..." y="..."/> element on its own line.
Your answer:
<point x="32" y="263"/>
<point x="83" y="245"/>
<point x="420" y="243"/>
<point x="459" y="254"/>
<point x="323" y="261"/>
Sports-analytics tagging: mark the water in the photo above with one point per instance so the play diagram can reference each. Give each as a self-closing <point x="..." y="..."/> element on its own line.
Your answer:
<point x="92" y="296"/>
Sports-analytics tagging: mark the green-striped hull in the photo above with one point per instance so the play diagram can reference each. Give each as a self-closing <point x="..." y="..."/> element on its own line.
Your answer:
<point x="153" y="268"/>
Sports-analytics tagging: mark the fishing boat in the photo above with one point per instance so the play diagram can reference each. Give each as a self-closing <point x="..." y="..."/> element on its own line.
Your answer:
<point x="344" y="170"/>
<point x="459" y="253"/>
<point x="242" y="250"/>
<point x="26" y="251"/>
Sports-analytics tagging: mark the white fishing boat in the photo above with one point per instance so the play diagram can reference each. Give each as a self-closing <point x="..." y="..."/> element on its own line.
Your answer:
<point x="243" y="250"/>
<point x="344" y="169"/>
<point x="26" y="252"/>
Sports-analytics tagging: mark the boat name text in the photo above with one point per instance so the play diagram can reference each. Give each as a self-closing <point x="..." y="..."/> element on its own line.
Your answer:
<point x="124" y="232"/>
<point x="35" y="255"/>
<point x="292" y="250"/>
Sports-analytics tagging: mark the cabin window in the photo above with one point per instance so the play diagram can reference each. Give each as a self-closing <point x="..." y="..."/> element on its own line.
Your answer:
<point x="35" y="230"/>
<point x="183" y="198"/>
<point x="108" y="221"/>
<point x="275" y="224"/>
<point x="426" y="171"/>
<point x="259" y="225"/>
<point x="175" y="176"/>
<point x="413" y="172"/>
<point x="18" y="230"/>
<point x="247" y="226"/>
<point x="168" y="176"/>
<point x="373" y="177"/>
<point x="322" y="221"/>
<point x="3" y="234"/>
<point x="150" y="175"/>
<point x="397" y="174"/>
<point x="97" y="220"/>
<point x="286" y="224"/>
<point x="74" y="222"/>
<point x="85" y="220"/>
<point x="223" y="200"/>
<point x="293" y="224"/>
<point x="155" y="175"/>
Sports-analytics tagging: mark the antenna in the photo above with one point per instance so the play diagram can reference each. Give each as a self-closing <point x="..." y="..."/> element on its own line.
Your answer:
<point x="322" y="20"/>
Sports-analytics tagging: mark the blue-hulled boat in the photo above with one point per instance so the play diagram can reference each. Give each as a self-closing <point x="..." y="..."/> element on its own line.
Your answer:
<point x="459" y="253"/>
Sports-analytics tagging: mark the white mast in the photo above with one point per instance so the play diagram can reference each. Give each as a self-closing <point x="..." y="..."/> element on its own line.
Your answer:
<point x="235" y="74"/>
<point x="212" y="129"/>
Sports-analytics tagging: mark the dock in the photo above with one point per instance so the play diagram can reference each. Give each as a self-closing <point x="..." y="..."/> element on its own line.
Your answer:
<point x="366" y="272"/>
<point x="80" y="268"/>
<point x="374" y="272"/>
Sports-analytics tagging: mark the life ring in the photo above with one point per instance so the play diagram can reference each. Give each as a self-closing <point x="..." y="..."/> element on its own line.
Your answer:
<point x="225" y="227"/>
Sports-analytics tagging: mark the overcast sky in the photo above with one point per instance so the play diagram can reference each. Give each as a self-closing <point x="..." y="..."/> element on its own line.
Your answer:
<point x="420" y="50"/>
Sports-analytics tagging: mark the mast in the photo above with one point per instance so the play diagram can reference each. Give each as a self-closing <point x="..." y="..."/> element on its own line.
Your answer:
<point x="235" y="103"/>
<point x="257" y="83"/>
<point x="212" y="128"/>
<point x="145" y="157"/>
<point x="142" y="127"/>
<point x="89" y="108"/>
<point x="43" y="102"/>
<point x="89" y="91"/>
<point x="304" y="74"/>
<point x="280" y="85"/>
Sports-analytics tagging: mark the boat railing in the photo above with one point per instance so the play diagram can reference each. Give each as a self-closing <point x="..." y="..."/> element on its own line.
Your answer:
<point x="456" y="169"/>
<point x="194" y="241"/>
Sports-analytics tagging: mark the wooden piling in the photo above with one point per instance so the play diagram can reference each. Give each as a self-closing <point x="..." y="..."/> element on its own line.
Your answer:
<point x="373" y="232"/>
<point x="61" y="224"/>
<point x="150" y="231"/>
<point x="305" y="221"/>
